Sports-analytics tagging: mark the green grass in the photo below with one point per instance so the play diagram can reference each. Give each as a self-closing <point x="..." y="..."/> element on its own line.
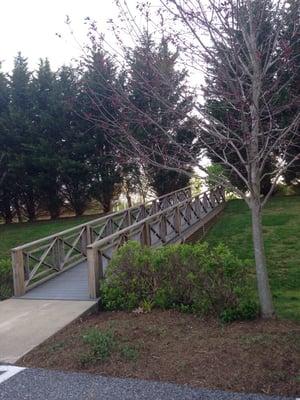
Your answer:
<point x="281" y="227"/>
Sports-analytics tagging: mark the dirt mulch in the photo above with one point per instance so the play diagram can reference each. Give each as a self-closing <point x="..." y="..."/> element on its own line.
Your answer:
<point x="258" y="356"/>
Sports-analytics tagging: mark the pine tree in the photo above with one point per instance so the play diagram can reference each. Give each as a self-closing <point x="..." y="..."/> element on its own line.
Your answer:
<point x="157" y="90"/>
<point x="291" y="40"/>
<point x="46" y="117"/>
<point x="99" y="82"/>
<point x="73" y="162"/>
<point x="24" y="164"/>
<point x="7" y="179"/>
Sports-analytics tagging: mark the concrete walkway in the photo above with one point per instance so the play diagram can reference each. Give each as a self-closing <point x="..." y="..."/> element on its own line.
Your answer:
<point x="24" y="324"/>
<point x="40" y="384"/>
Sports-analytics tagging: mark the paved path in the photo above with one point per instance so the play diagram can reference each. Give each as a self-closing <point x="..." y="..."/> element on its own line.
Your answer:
<point x="38" y="384"/>
<point x="24" y="324"/>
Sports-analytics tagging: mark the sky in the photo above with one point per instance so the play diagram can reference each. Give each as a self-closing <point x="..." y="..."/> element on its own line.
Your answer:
<point x="30" y="26"/>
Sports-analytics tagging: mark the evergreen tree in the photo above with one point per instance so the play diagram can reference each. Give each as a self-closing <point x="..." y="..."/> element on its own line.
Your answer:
<point x="73" y="163"/>
<point x="46" y="108"/>
<point x="158" y="90"/>
<point x="290" y="39"/>
<point x="24" y="163"/>
<point x="7" y="180"/>
<point x="99" y="83"/>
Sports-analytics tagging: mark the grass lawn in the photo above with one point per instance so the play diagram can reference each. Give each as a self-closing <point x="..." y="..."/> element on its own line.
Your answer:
<point x="256" y="356"/>
<point x="281" y="227"/>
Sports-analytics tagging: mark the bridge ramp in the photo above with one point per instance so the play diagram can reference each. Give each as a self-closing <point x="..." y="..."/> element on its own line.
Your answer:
<point x="70" y="285"/>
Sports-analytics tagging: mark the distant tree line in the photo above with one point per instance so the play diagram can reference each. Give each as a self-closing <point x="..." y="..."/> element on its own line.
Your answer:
<point x="55" y="142"/>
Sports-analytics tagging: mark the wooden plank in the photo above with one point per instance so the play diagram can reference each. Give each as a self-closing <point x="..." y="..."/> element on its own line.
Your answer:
<point x="95" y="272"/>
<point x="18" y="272"/>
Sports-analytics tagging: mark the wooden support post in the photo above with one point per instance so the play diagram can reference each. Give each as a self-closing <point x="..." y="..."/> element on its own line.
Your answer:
<point x="146" y="238"/>
<point x="95" y="271"/>
<point x="188" y="212"/>
<point x="189" y="193"/>
<point x="109" y="227"/>
<point x="18" y="272"/>
<point x="58" y="254"/>
<point x="142" y="212"/>
<point x="177" y="220"/>
<point x="163" y="228"/>
<point x="129" y="219"/>
<point x="197" y="207"/>
<point x="155" y="207"/>
<point x="212" y="198"/>
<point x="89" y="235"/>
<point x="205" y="203"/>
<point x="222" y="193"/>
<point x="86" y="239"/>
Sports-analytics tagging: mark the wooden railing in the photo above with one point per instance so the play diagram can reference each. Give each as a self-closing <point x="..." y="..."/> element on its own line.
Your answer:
<point x="173" y="224"/>
<point x="34" y="263"/>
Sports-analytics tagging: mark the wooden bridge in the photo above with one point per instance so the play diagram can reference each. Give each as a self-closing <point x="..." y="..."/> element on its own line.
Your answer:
<point x="68" y="265"/>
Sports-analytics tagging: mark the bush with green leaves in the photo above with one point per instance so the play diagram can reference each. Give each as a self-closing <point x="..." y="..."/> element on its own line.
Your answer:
<point x="188" y="277"/>
<point x="101" y="344"/>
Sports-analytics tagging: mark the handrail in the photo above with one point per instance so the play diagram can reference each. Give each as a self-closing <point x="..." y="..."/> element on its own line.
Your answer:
<point x="97" y="220"/>
<point x="98" y="243"/>
<point x="39" y="260"/>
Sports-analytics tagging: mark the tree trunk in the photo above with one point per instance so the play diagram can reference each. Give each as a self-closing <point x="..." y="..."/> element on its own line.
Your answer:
<point x="106" y="206"/>
<point x="8" y="219"/>
<point x="264" y="292"/>
<point x="18" y="211"/>
<point x="128" y="198"/>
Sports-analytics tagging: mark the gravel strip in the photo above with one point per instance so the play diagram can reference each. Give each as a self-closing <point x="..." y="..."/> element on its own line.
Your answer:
<point x="40" y="384"/>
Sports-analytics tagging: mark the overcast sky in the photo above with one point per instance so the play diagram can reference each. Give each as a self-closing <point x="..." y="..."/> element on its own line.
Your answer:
<point x="30" y="26"/>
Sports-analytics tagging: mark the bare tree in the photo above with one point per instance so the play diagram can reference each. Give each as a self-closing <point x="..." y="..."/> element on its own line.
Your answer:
<point x="224" y="42"/>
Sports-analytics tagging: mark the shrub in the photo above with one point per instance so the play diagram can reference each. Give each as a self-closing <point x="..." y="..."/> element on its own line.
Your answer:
<point x="188" y="277"/>
<point x="129" y="353"/>
<point x="101" y="344"/>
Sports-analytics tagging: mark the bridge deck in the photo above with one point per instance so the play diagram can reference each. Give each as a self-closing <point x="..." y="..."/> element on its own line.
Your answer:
<point x="70" y="285"/>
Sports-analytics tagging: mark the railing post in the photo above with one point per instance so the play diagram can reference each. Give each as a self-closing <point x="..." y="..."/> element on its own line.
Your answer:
<point x="188" y="212"/>
<point x="18" y="272"/>
<point x="163" y="228"/>
<point x="145" y="239"/>
<point x="205" y="203"/>
<point x="155" y="207"/>
<point x="142" y="212"/>
<point x="57" y="254"/>
<point x="129" y="219"/>
<point x="109" y="227"/>
<point x="189" y="192"/>
<point x="212" y="198"/>
<point x="197" y="206"/>
<point x="222" y="193"/>
<point x="95" y="271"/>
<point x="177" y="220"/>
<point x="86" y="239"/>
